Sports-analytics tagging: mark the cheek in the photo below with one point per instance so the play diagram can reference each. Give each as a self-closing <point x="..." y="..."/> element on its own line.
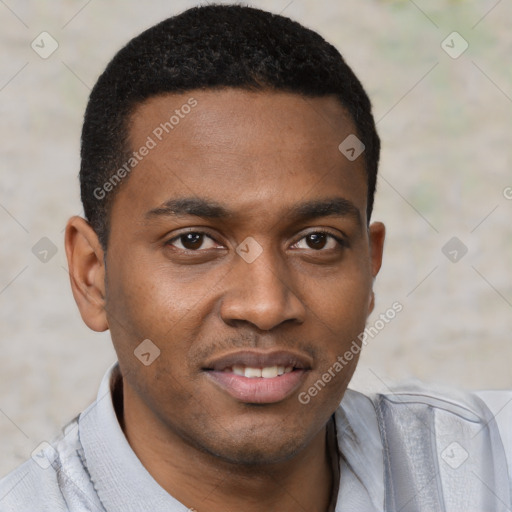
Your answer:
<point x="153" y="299"/>
<point x="342" y="310"/>
<point x="342" y="301"/>
<point x="147" y="305"/>
<point x="149" y="302"/>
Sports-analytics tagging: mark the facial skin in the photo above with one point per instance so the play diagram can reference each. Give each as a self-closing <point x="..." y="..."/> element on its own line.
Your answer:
<point x="259" y="156"/>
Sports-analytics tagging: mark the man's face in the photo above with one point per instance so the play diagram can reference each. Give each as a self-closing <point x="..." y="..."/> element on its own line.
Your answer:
<point x="240" y="244"/>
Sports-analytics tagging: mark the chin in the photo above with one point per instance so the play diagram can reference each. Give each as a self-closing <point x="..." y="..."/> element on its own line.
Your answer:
<point x="256" y="450"/>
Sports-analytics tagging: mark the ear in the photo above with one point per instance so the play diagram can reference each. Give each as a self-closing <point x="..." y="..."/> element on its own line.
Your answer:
<point x="87" y="272"/>
<point x="377" y="234"/>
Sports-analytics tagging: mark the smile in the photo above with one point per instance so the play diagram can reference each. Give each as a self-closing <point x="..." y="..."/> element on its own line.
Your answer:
<point x="268" y="372"/>
<point x="256" y="377"/>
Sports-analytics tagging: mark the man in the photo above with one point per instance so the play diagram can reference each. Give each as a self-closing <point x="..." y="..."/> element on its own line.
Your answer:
<point x="229" y="162"/>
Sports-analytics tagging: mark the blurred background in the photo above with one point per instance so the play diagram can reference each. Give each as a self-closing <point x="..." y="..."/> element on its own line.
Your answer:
<point x="440" y="78"/>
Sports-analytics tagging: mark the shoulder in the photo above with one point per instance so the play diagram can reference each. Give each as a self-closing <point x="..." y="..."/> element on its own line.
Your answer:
<point x="422" y="411"/>
<point x="33" y="486"/>
<point x="53" y="479"/>
<point x="468" y="405"/>
<point x="459" y="442"/>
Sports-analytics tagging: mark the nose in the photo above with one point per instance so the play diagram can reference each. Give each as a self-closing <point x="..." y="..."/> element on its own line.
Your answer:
<point x="261" y="293"/>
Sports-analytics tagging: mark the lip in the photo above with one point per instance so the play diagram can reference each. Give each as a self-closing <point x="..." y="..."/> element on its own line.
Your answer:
<point x="258" y="390"/>
<point x="256" y="359"/>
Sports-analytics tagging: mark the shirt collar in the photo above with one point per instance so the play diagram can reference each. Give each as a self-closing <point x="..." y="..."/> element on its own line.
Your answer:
<point x="361" y="452"/>
<point x="120" y="479"/>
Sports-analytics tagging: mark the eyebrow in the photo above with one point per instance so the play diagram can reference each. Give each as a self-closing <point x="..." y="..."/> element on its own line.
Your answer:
<point x="333" y="207"/>
<point x="198" y="207"/>
<point x="190" y="206"/>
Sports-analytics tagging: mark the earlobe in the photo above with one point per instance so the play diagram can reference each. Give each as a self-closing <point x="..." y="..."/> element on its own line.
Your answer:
<point x="377" y="234"/>
<point x="371" y="301"/>
<point x="87" y="272"/>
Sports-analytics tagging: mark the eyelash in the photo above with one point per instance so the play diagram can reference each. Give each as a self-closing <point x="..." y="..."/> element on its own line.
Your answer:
<point x="341" y="242"/>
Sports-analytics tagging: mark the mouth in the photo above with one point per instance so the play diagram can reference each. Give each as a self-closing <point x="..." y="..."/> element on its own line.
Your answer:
<point x="256" y="377"/>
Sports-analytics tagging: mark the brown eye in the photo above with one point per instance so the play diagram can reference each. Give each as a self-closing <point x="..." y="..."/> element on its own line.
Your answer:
<point x="319" y="240"/>
<point x="316" y="240"/>
<point x="192" y="241"/>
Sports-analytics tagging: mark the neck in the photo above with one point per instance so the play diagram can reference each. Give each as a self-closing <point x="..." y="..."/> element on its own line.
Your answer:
<point x="204" y="482"/>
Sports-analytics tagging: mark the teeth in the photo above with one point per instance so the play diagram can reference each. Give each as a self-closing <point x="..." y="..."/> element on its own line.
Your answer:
<point x="269" y="372"/>
<point x="252" y="372"/>
<point x="239" y="370"/>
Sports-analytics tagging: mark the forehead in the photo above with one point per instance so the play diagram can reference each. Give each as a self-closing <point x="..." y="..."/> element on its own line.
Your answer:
<point x="223" y="113"/>
<point x="252" y="150"/>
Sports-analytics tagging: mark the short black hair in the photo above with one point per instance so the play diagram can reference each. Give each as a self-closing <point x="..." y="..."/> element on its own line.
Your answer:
<point x="209" y="47"/>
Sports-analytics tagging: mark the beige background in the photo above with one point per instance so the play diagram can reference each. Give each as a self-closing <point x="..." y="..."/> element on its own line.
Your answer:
<point x="446" y="129"/>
